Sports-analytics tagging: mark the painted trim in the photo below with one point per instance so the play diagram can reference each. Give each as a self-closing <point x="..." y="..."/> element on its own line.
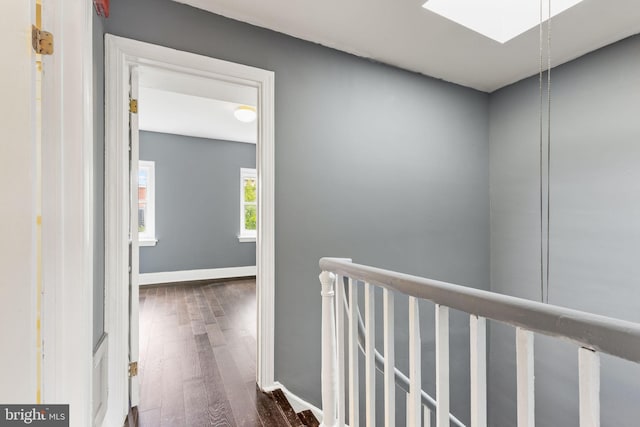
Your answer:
<point x="148" y="242"/>
<point x="68" y="205"/>
<point x="120" y="55"/>
<point x="100" y="385"/>
<point x="246" y="239"/>
<point x="20" y="263"/>
<point x="191" y="275"/>
<point x="297" y="403"/>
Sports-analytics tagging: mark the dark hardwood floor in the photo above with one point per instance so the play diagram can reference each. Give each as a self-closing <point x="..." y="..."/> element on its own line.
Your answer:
<point x="197" y="357"/>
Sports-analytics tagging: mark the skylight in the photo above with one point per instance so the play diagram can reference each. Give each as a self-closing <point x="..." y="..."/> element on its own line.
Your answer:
<point x="500" y="20"/>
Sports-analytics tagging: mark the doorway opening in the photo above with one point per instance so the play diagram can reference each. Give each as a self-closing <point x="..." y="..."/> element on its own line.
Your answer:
<point x="126" y="61"/>
<point x="197" y="223"/>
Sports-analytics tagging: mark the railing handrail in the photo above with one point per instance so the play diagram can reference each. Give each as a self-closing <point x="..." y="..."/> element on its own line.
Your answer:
<point x="605" y="334"/>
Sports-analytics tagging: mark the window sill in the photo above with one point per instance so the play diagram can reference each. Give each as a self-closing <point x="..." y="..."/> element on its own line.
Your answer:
<point x="147" y="242"/>
<point x="244" y="239"/>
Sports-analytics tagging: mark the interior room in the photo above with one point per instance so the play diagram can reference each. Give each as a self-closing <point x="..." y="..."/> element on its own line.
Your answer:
<point x="245" y="213"/>
<point x="444" y="174"/>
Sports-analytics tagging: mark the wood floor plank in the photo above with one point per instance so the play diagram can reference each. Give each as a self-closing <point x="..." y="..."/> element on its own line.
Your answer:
<point x="181" y="306"/>
<point x="205" y="309"/>
<point x="243" y="408"/>
<point x="189" y="362"/>
<point x="195" y="403"/>
<point x="150" y="388"/>
<point x="149" y="418"/>
<point x="172" y="410"/>
<point x="217" y="394"/>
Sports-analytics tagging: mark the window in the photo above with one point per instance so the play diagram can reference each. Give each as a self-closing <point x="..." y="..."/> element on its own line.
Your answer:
<point x="248" y="205"/>
<point x="146" y="203"/>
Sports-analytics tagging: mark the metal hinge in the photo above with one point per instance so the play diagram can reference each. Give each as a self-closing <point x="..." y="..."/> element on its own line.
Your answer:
<point x="133" y="106"/>
<point x="133" y="369"/>
<point x="42" y="41"/>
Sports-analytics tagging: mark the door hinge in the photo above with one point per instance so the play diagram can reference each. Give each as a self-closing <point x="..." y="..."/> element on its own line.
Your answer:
<point x="133" y="106"/>
<point x="133" y="369"/>
<point x="42" y="41"/>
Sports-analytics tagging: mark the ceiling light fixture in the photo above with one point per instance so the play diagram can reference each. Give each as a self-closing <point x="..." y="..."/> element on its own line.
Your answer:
<point x="245" y="113"/>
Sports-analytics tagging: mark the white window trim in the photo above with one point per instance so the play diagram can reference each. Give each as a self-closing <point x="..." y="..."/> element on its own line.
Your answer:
<point x="246" y="235"/>
<point x="148" y="237"/>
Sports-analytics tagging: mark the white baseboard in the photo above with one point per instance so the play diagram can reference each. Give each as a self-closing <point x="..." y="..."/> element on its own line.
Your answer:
<point x="298" y="404"/>
<point x="189" y="275"/>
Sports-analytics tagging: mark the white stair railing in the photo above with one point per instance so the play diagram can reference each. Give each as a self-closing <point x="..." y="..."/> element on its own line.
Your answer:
<point x="592" y="333"/>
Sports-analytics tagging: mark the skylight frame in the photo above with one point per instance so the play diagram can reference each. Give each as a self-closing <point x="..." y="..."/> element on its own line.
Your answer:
<point x="499" y="20"/>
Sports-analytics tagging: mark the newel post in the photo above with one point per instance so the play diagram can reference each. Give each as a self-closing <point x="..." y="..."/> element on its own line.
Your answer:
<point x="329" y="359"/>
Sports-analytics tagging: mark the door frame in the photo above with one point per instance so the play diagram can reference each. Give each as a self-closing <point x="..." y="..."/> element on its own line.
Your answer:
<point x="120" y="55"/>
<point x="66" y="268"/>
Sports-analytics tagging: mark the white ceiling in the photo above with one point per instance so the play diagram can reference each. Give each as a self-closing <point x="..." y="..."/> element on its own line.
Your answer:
<point x="194" y="106"/>
<point x="404" y="34"/>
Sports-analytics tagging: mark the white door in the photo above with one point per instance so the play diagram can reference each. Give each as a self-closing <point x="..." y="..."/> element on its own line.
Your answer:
<point x="134" y="254"/>
<point x="18" y="187"/>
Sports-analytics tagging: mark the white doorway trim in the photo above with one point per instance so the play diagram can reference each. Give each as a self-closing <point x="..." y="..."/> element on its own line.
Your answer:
<point x="120" y="55"/>
<point x="67" y="209"/>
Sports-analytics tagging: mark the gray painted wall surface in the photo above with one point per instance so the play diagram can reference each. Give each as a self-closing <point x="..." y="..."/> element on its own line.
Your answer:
<point x="595" y="225"/>
<point x="197" y="203"/>
<point x="98" y="178"/>
<point x="374" y="163"/>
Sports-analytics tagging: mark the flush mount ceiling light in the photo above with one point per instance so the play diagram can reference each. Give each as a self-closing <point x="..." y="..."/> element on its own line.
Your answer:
<point x="500" y="20"/>
<point x="245" y="113"/>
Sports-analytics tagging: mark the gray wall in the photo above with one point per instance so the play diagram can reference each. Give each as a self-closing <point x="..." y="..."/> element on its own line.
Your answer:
<point x="197" y="203"/>
<point x="374" y="163"/>
<point x="98" y="179"/>
<point x="595" y="225"/>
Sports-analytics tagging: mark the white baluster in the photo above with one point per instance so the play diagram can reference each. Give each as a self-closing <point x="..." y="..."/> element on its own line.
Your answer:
<point x="414" y="405"/>
<point x="354" y="400"/>
<point x="329" y="373"/>
<point x="427" y="417"/>
<point x="340" y="347"/>
<point x="370" y="362"/>
<point x="478" y="364"/>
<point x="389" y="361"/>
<point x="442" y="366"/>
<point x="589" y="374"/>
<point x="525" y="378"/>
<point x="408" y="410"/>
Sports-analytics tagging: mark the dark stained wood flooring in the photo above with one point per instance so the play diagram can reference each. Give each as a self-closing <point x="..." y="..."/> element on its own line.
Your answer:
<point x="197" y="357"/>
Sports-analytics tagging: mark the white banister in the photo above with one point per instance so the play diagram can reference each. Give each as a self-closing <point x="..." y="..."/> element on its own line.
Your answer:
<point x="354" y="385"/>
<point x="369" y="354"/>
<point x="389" y="360"/>
<point x="340" y="347"/>
<point x="589" y="389"/>
<point x="592" y="333"/>
<point x="442" y="366"/>
<point x="414" y="402"/>
<point x="329" y="373"/>
<point x="478" y="370"/>
<point x="525" y="378"/>
<point x="604" y="334"/>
